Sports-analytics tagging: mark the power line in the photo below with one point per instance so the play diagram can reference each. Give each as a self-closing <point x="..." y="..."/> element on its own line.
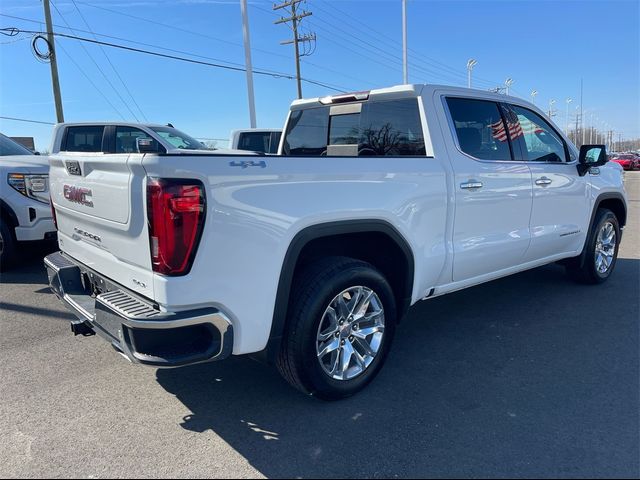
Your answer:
<point x="26" y="120"/>
<point x="89" y="80"/>
<point x="115" y="70"/>
<point x="104" y="75"/>
<point x="135" y="42"/>
<point x="288" y="76"/>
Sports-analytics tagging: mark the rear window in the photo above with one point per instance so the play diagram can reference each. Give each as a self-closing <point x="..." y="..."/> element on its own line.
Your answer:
<point x="256" y="142"/>
<point x="84" y="139"/>
<point x="387" y="128"/>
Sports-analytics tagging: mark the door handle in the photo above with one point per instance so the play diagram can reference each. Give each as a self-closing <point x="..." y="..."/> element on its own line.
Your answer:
<point x="471" y="185"/>
<point x="543" y="181"/>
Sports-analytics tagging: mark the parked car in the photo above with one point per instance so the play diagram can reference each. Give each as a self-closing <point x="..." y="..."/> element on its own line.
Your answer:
<point x="262" y="140"/>
<point x="25" y="214"/>
<point x="309" y="259"/>
<point x="627" y="161"/>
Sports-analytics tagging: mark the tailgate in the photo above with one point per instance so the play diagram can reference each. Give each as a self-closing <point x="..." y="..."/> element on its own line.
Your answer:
<point x="100" y="207"/>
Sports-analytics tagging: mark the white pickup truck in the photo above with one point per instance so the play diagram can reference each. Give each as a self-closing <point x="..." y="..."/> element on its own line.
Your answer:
<point x="308" y="259"/>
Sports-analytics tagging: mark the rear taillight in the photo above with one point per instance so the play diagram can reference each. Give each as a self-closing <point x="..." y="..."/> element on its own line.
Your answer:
<point x="175" y="210"/>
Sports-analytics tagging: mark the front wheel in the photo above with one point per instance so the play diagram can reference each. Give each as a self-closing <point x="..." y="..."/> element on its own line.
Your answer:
<point x="598" y="259"/>
<point x="7" y="246"/>
<point x="340" y="328"/>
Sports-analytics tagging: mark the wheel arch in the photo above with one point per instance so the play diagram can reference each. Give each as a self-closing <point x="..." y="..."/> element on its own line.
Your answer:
<point x="615" y="202"/>
<point x="8" y="215"/>
<point x="337" y="238"/>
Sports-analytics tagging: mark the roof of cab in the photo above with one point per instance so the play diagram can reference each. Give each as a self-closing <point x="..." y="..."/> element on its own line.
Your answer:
<point x="410" y="90"/>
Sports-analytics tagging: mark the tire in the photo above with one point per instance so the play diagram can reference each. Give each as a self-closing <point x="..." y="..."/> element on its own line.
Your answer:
<point x="7" y="246"/>
<point x="587" y="268"/>
<point x="317" y="290"/>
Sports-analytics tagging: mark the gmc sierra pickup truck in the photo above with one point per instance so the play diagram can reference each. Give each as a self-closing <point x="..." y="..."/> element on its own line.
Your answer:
<point x="309" y="259"/>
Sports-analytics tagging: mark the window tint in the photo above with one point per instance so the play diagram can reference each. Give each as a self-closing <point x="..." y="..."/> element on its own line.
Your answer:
<point x="9" y="147"/>
<point x="392" y="128"/>
<point x="479" y="128"/>
<point x="388" y="128"/>
<point x="275" y="141"/>
<point x="345" y="129"/>
<point x="126" y="138"/>
<point x="307" y="132"/>
<point x="538" y="140"/>
<point x="84" y="139"/>
<point x="255" y="141"/>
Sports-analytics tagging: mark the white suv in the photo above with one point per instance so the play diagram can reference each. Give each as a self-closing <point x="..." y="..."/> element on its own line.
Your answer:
<point x="25" y="213"/>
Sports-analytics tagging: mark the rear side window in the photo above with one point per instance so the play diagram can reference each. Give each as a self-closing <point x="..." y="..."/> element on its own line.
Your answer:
<point x="126" y="139"/>
<point x="387" y="128"/>
<point x="479" y="128"/>
<point x="84" y="139"/>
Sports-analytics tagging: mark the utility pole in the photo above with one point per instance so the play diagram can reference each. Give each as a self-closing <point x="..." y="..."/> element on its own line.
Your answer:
<point x="53" y="61"/>
<point x="247" y="61"/>
<point x="405" y="68"/>
<point x="295" y="18"/>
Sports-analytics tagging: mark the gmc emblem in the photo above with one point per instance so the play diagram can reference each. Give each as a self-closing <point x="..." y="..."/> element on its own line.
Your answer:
<point x="78" y="195"/>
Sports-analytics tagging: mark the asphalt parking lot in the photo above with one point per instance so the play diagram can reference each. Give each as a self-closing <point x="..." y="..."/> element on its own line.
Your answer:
<point x="527" y="376"/>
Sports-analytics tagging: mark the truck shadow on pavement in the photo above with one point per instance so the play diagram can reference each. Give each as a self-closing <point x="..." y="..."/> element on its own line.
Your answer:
<point x="29" y="266"/>
<point x="530" y="375"/>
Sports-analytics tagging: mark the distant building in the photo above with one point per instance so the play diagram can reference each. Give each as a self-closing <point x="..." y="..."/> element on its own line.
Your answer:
<point x="25" y="142"/>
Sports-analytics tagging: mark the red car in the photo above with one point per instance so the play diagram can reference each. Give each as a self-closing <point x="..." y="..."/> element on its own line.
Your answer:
<point x="628" y="161"/>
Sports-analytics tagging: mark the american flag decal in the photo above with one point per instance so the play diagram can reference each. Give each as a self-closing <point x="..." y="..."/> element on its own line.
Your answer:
<point x="517" y="129"/>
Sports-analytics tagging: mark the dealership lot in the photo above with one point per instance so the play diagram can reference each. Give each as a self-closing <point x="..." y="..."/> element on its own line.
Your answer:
<point x="530" y="375"/>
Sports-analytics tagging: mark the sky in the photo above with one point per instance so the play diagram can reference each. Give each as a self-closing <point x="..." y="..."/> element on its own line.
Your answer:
<point x="549" y="46"/>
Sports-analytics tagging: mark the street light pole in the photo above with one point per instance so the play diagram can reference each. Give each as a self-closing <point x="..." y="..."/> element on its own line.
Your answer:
<point x="533" y="96"/>
<point x="551" y="103"/>
<point x="405" y="68"/>
<point x="247" y="59"/>
<point x="470" y="64"/>
<point x="508" y="82"/>
<point x="569" y="100"/>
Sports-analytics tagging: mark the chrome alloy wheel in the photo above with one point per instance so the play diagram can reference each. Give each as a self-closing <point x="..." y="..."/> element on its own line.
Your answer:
<point x="605" y="247"/>
<point x="350" y="333"/>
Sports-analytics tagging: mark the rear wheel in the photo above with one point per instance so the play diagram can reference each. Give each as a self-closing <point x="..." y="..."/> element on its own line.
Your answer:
<point x="600" y="252"/>
<point x="340" y="328"/>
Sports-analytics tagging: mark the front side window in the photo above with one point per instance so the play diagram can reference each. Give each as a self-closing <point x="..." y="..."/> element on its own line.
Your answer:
<point x="84" y="138"/>
<point x="126" y="139"/>
<point x="479" y="128"/>
<point x="539" y="142"/>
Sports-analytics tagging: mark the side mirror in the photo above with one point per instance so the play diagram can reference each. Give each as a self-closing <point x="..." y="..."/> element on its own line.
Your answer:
<point x="591" y="156"/>
<point x="147" y="145"/>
